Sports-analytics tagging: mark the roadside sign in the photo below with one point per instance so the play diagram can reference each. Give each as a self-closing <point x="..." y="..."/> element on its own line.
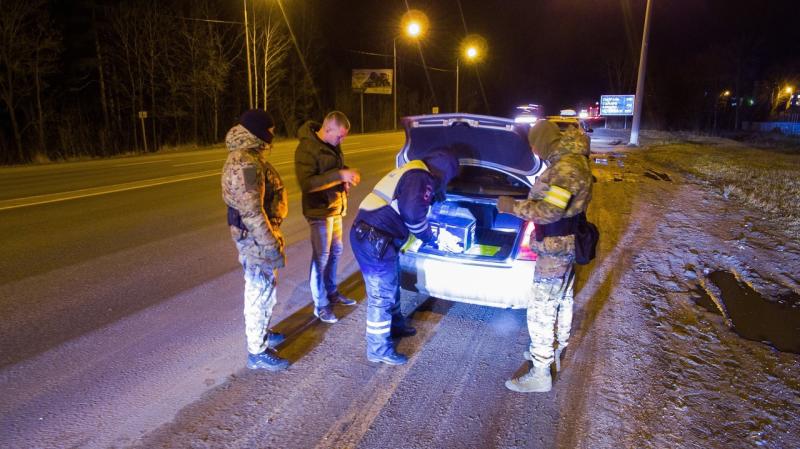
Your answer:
<point x="142" y="114"/>
<point x="373" y="81"/>
<point x="616" y="104"/>
<point x="435" y="110"/>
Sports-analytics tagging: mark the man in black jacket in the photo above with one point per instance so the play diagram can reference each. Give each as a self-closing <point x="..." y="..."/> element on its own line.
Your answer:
<point x="324" y="182"/>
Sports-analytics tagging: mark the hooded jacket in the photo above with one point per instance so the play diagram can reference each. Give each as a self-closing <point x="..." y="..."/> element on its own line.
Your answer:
<point x="562" y="191"/>
<point x="316" y="163"/>
<point x="252" y="187"/>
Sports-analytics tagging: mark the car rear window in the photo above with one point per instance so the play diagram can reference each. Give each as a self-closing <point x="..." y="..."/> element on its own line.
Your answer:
<point x="486" y="182"/>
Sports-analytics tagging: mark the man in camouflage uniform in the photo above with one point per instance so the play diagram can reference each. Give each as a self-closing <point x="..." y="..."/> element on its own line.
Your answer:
<point x="557" y="200"/>
<point x="256" y="199"/>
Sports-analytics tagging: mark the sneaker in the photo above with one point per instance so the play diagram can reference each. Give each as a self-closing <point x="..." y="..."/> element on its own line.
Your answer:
<point x="406" y="331"/>
<point x="325" y="314"/>
<point x="274" y="339"/>
<point x="341" y="299"/>
<point x="391" y="358"/>
<point x="267" y="360"/>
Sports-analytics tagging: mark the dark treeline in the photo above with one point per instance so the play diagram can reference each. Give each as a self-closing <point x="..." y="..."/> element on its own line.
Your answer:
<point x="99" y="78"/>
<point x="94" y="78"/>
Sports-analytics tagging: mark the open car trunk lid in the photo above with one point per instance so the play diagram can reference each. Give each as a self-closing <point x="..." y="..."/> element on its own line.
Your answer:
<point x="477" y="140"/>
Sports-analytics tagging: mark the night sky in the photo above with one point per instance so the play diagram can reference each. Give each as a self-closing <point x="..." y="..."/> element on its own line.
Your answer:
<point x="556" y="52"/>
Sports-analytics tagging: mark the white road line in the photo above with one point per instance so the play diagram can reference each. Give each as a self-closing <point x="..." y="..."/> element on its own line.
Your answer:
<point x="366" y="150"/>
<point x="142" y="163"/>
<point x="96" y="191"/>
<point x="197" y="163"/>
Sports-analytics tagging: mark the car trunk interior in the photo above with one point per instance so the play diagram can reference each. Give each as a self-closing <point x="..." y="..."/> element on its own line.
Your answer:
<point x="495" y="234"/>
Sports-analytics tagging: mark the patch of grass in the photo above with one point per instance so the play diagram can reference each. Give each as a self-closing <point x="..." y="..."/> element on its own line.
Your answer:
<point x="765" y="180"/>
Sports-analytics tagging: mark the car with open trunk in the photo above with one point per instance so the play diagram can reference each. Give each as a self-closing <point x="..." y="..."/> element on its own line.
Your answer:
<point x="496" y="268"/>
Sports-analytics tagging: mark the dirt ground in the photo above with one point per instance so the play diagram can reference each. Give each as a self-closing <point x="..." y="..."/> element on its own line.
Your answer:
<point x="647" y="366"/>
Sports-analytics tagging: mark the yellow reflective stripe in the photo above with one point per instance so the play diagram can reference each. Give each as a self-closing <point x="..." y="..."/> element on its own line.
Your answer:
<point x="558" y="197"/>
<point x="383" y="192"/>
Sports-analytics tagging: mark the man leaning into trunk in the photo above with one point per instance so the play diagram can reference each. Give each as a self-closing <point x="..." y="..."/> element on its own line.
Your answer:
<point x="396" y="207"/>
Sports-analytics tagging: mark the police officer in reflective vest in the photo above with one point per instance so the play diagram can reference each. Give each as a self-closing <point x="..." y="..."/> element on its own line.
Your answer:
<point x="397" y="206"/>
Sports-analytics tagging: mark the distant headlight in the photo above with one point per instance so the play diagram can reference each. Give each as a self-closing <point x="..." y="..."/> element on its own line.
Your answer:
<point x="524" y="119"/>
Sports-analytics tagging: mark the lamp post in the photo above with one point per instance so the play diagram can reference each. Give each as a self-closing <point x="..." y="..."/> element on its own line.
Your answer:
<point x="473" y="48"/>
<point x="413" y="25"/>
<point x="789" y="91"/>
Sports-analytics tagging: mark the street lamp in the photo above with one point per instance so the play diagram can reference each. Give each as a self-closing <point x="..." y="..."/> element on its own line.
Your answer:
<point x="473" y="47"/>
<point x="413" y="24"/>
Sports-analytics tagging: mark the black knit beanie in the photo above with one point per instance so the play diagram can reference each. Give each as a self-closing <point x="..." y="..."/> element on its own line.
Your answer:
<point x="258" y="122"/>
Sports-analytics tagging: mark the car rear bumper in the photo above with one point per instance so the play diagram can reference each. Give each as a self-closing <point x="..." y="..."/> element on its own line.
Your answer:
<point x="496" y="285"/>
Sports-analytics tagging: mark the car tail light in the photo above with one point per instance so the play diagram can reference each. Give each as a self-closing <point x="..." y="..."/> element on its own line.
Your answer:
<point x="525" y="252"/>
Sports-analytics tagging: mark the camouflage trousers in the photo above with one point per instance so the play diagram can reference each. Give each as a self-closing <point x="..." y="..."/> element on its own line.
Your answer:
<point x="260" y="283"/>
<point x="550" y="316"/>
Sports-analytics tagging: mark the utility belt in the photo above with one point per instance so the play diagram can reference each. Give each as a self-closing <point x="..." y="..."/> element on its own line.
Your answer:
<point x="561" y="228"/>
<point x="235" y="219"/>
<point x="379" y="240"/>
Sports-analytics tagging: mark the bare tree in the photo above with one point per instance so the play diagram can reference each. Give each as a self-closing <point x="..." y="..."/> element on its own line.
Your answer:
<point x="28" y="51"/>
<point x="47" y="46"/>
<point x="274" y="44"/>
<point x="296" y="96"/>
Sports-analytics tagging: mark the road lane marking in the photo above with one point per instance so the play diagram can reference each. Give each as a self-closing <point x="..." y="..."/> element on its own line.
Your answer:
<point x="366" y="150"/>
<point x="141" y="163"/>
<point x="198" y="163"/>
<point x="96" y="191"/>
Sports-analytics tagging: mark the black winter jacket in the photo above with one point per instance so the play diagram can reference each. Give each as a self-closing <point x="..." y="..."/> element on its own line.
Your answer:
<point x="315" y="164"/>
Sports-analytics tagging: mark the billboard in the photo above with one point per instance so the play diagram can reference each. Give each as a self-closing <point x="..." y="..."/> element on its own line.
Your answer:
<point x="373" y="81"/>
<point x="616" y="104"/>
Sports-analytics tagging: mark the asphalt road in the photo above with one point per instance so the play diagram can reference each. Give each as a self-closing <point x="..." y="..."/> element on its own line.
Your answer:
<point x="115" y="273"/>
<point x="120" y="298"/>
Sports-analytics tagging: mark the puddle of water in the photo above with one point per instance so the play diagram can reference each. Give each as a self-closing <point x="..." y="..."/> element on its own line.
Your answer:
<point x="703" y="299"/>
<point x="757" y="318"/>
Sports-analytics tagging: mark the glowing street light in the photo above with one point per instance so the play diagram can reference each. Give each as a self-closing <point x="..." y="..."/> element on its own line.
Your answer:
<point x="413" y="29"/>
<point x="473" y="48"/>
<point x="727" y="93"/>
<point x="414" y="23"/>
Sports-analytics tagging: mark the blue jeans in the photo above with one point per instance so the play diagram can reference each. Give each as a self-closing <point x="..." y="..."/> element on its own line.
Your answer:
<point x="381" y="279"/>
<point x="326" y="248"/>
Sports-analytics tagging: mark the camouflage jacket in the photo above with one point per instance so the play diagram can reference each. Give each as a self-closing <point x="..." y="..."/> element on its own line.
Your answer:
<point x="253" y="187"/>
<point x="563" y="190"/>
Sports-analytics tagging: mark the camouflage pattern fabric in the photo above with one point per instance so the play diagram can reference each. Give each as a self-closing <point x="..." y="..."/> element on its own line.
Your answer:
<point x="276" y="203"/>
<point x="259" y="299"/>
<point x="252" y="186"/>
<point x="249" y="184"/>
<point x="550" y="305"/>
<point x="568" y="170"/>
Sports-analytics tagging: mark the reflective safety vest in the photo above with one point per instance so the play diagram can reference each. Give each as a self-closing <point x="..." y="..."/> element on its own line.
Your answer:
<point x="383" y="193"/>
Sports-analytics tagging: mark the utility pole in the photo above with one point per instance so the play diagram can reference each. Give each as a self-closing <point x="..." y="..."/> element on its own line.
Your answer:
<point x="457" y="84"/>
<point x="247" y="48"/>
<point x="637" y="102"/>
<point x="394" y="84"/>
